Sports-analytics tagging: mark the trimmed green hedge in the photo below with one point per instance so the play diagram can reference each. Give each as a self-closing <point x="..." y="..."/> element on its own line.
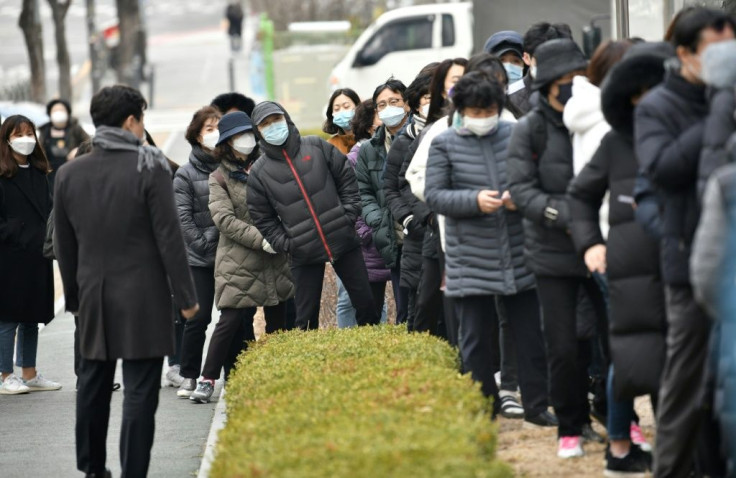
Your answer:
<point x="362" y="402"/>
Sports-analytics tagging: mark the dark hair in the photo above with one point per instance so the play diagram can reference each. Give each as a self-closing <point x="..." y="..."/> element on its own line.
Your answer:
<point x="478" y="90"/>
<point x="397" y="86"/>
<point x="85" y="147"/>
<point x="362" y="123"/>
<point x="58" y="101"/>
<point x="605" y="56"/>
<point x="437" y="87"/>
<point x="542" y="32"/>
<point x="690" y="22"/>
<point x="489" y="64"/>
<point x="198" y="120"/>
<point x="227" y="101"/>
<point x="37" y="159"/>
<point x="420" y="86"/>
<point x="112" y="105"/>
<point x="329" y="127"/>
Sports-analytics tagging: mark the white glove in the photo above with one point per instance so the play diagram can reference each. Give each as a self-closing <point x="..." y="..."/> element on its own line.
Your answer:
<point x="267" y="247"/>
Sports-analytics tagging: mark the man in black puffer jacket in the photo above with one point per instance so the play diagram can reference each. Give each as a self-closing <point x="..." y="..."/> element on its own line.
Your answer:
<point x="669" y="128"/>
<point x="303" y="197"/>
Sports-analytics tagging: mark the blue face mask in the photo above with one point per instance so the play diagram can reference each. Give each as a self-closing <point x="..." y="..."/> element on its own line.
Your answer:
<point x="392" y="116"/>
<point x="342" y="119"/>
<point x="276" y="133"/>
<point x="514" y="72"/>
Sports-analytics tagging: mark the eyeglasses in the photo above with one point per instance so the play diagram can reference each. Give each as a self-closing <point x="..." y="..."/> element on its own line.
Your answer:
<point x="391" y="102"/>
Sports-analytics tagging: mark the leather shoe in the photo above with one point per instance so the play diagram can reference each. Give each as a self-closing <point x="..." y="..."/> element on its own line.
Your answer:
<point x="543" y="419"/>
<point x="591" y="435"/>
<point x="105" y="474"/>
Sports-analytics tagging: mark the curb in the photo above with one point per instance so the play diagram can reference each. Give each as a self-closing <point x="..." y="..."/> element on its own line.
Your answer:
<point x="218" y="423"/>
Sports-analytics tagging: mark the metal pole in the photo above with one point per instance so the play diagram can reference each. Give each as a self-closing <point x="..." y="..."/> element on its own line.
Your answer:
<point x="231" y="73"/>
<point x="622" y="19"/>
<point x="151" y="79"/>
<point x="92" y="38"/>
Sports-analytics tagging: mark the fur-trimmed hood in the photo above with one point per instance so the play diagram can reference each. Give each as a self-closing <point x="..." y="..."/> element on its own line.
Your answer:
<point x="641" y="69"/>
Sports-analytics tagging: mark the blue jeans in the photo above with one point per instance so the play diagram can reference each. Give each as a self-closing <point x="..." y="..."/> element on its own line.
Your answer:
<point x="620" y="413"/>
<point x="26" y="345"/>
<point x="345" y="310"/>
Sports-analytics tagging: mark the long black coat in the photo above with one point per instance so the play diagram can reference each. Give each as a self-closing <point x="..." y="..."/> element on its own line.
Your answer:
<point x="119" y="245"/>
<point x="303" y="197"/>
<point x="538" y="179"/>
<point x="636" y="301"/>
<point x="26" y="277"/>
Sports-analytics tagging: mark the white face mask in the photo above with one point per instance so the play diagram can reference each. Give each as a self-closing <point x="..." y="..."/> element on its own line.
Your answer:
<point x="480" y="126"/>
<point x="533" y="71"/>
<point x="209" y="140"/>
<point x="23" y="145"/>
<point x="425" y="111"/>
<point x="245" y="143"/>
<point x="59" y="118"/>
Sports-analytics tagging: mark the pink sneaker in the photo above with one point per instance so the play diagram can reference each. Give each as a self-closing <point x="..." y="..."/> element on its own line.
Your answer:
<point x="637" y="437"/>
<point x="570" y="447"/>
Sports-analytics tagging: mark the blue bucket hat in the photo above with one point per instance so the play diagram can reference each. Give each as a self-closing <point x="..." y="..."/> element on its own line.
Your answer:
<point x="503" y="42"/>
<point x="233" y="123"/>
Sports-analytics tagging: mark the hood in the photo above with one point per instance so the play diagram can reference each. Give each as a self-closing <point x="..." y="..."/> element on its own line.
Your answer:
<point x="583" y="110"/>
<point x="642" y="68"/>
<point x="719" y="64"/>
<point x="293" y="142"/>
<point x="202" y="160"/>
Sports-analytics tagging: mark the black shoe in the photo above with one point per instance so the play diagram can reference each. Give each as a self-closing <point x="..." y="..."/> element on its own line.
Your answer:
<point x="544" y="419"/>
<point x="632" y="465"/>
<point x="106" y="474"/>
<point x="590" y="435"/>
<point x="645" y="456"/>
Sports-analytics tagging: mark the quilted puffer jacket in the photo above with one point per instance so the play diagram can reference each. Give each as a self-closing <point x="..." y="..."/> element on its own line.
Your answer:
<point x="245" y="275"/>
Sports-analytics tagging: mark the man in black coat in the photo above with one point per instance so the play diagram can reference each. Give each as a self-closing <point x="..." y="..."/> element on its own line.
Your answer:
<point x="669" y="127"/>
<point x="121" y="254"/>
<point x="303" y="197"/>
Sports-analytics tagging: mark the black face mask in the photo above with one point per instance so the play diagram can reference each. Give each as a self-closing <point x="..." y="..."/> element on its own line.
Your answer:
<point x="565" y="93"/>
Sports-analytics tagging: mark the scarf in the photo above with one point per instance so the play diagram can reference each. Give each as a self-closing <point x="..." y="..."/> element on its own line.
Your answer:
<point x="118" y="139"/>
<point x="239" y="174"/>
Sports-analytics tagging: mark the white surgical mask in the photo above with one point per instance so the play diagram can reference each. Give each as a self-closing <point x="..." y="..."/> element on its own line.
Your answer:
<point x="425" y="111"/>
<point x="480" y="126"/>
<point x="23" y="145"/>
<point x="245" y="144"/>
<point x="392" y="115"/>
<point x="210" y="139"/>
<point x="533" y="71"/>
<point x="59" y="118"/>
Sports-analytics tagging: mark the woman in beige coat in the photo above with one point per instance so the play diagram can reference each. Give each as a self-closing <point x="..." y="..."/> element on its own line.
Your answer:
<point x="248" y="272"/>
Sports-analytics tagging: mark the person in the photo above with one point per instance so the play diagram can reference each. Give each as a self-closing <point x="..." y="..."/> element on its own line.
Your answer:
<point x="303" y="198"/>
<point x="533" y="38"/>
<point x="669" y="128"/>
<point x="508" y="46"/>
<point x="540" y="168"/>
<point x="234" y="15"/>
<point x="447" y="74"/>
<point x="233" y="101"/>
<point x="248" y="272"/>
<point x="364" y="127"/>
<point x="388" y="235"/>
<point x="630" y="257"/>
<point x="340" y="112"/>
<point x="61" y="136"/>
<point x="467" y="183"/>
<point x="124" y="308"/>
<point x="27" y="281"/>
<point x="191" y="193"/>
<point x="404" y="206"/>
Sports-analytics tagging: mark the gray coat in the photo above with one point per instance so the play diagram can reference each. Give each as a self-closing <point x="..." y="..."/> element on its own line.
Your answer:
<point x="484" y="252"/>
<point x="121" y="254"/>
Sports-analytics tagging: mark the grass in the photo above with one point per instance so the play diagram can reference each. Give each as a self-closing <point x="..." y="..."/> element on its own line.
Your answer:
<point x="363" y="402"/>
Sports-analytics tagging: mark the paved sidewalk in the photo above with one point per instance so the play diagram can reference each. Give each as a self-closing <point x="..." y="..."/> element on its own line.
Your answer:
<point x="38" y="428"/>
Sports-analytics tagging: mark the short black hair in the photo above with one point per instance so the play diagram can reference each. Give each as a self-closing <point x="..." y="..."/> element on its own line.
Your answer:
<point x="478" y="90"/>
<point x="420" y="86"/>
<point x="438" y="102"/>
<point x="58" y="101"/>
<point x="362" y="122"/>
<point x="542" y="32"/>
<point x="397" y="86"/>
<point x="112" y="105"/>
<point x="329" y="126"/>
<point x="239" y="101"/>
<point x="489" y="64"/>
<point x="692" y="21"/>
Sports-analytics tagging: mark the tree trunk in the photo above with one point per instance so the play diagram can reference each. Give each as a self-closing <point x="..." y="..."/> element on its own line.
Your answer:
<point x="30" y="23"/>
<point x="128" y="66"/>
<point x="730" y="6"/>
<point x="59" y="8"/>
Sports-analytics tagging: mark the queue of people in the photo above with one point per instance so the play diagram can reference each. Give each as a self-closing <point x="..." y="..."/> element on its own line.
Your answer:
<point x="539" y="210"/>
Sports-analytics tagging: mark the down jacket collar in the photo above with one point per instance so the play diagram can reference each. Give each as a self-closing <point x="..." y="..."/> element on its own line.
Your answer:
<point x="293" y="142"/>
<point x="202" y="160"/>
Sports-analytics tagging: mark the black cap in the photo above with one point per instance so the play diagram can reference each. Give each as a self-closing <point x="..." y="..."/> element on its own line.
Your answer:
<point x="555" y="59"/>
<point x="503" y="42"/>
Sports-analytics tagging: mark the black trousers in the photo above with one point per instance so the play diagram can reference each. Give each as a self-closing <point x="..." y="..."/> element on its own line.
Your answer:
<point x="233" y="332"/>
<point x="401" y="294"/>
<point x="477" y="315"/>
<point x="568" y="357"/>
<point x="141" y="381"/>
<point x="195" y="329"/>
<point x="680" y="409"/>
<point x="429" y="311"/>
<point x="505" y="360"/>
<point x="378" y="291"/>
<point x="350" y="268"/>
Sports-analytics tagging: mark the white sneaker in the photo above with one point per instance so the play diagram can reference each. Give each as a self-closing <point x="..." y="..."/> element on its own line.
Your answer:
<point x="173" y="378"/>
<point x="39" y="383"/>
<point x="12" y="385"/>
